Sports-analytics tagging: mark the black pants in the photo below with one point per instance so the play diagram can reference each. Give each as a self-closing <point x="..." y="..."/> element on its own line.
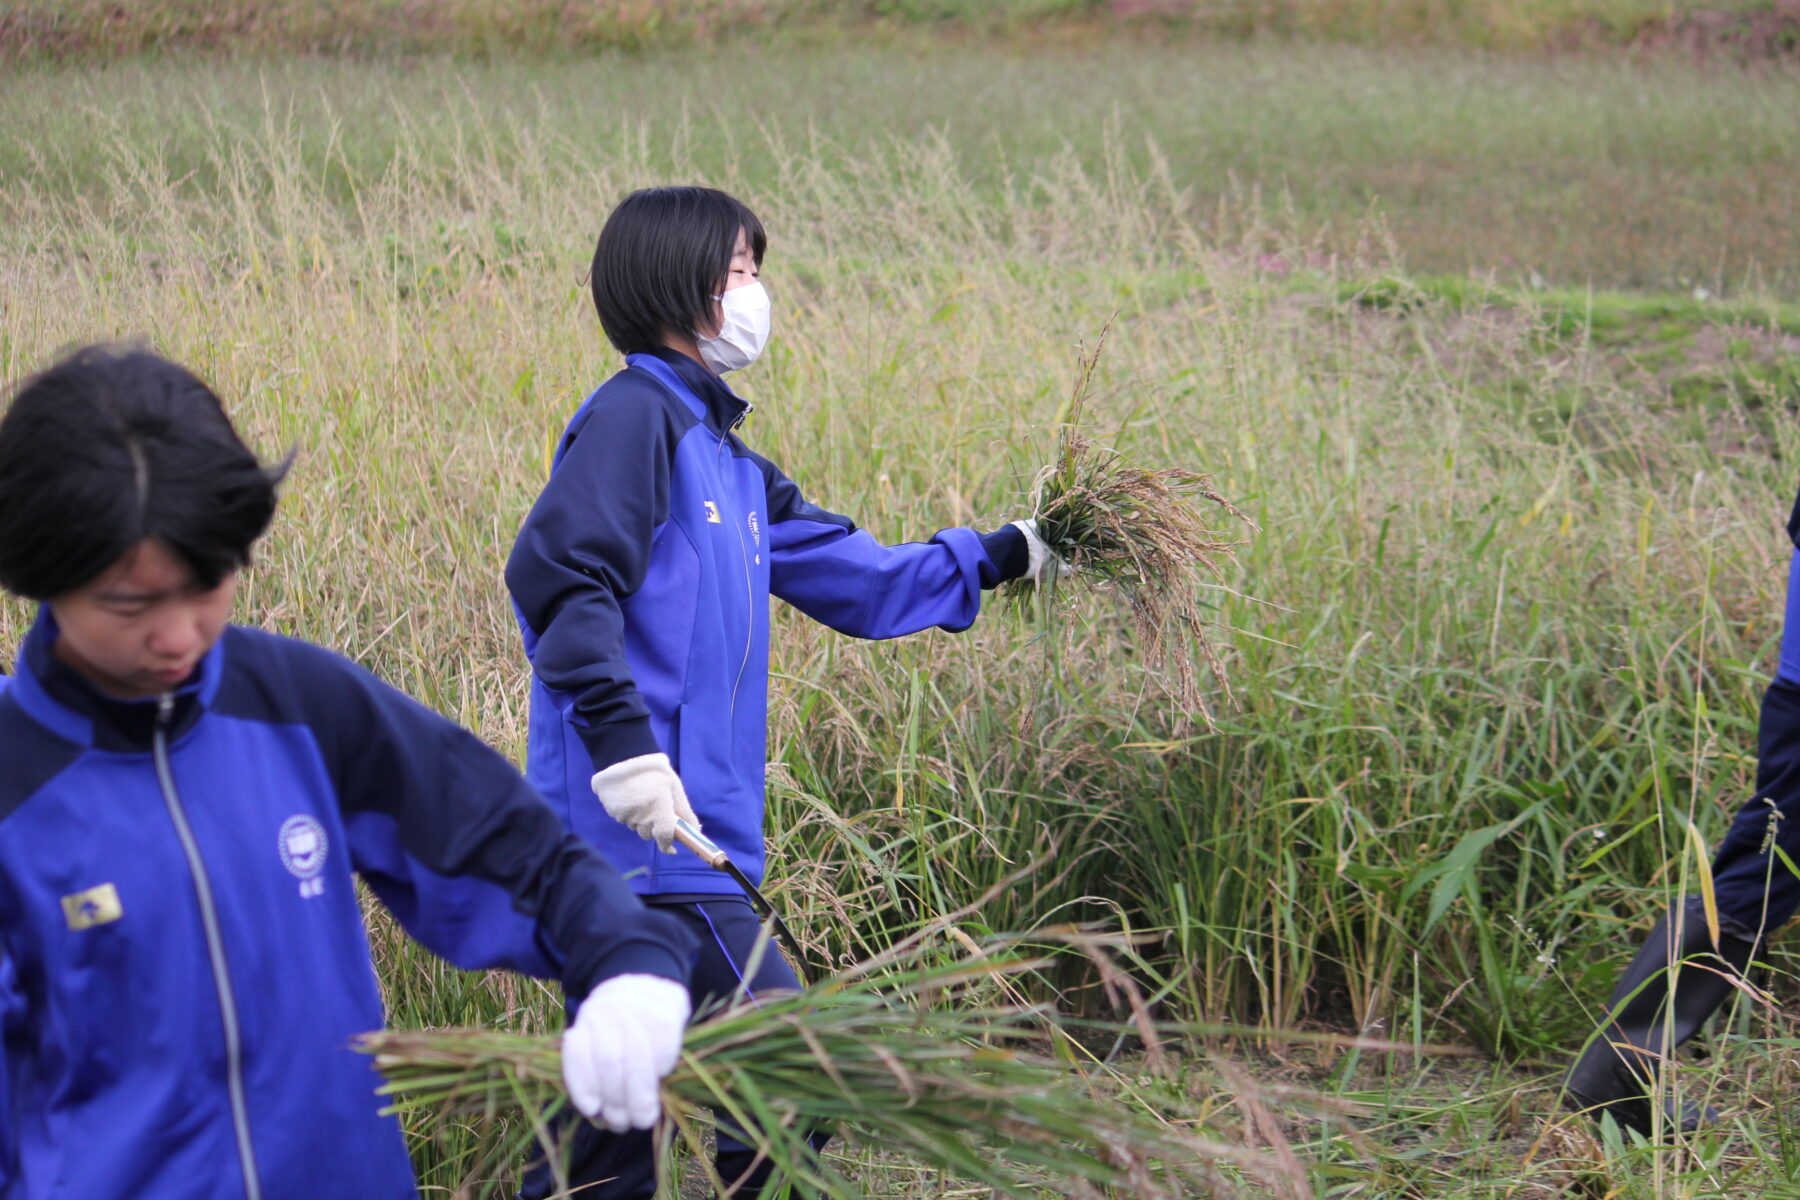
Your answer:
<point x="622" y="1166"/>
<point x="1755" y="887"/>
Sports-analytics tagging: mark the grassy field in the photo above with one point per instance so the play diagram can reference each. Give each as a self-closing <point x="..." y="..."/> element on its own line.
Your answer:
<point x="1579" y="170"/>
<point x="100" y="30"/>
<point x="1501" y="355"/>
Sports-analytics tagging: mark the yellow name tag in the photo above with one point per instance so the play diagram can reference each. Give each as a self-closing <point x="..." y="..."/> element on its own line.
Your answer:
<point x="96" y="906"/>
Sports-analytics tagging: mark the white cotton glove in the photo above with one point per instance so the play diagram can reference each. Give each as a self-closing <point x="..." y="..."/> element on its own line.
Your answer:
<point x="646" y="794"/>
<point x="1043" y="566"/>
<point x="626" y="1037"/>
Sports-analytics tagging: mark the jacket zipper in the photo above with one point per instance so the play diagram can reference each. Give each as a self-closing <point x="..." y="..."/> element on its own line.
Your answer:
<point x="749" y="582"/>
<point x="215" y="949"/>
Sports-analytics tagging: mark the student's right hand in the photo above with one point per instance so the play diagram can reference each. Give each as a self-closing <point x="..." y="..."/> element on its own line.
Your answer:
<point x="626" y="1037"/>
<point x="646" y="794"/>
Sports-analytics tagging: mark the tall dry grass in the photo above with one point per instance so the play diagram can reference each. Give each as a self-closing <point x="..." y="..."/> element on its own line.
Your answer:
<point x="1527" y="602"/>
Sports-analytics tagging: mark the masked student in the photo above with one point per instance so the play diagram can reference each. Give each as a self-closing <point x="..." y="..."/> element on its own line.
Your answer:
<point x="1680" y="976"/>
<point x="642" y="579"/>
<point x="183" y="805"/>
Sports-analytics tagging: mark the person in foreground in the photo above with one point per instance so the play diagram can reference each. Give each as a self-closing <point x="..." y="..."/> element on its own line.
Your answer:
<point x="642" y="578"/>
<point x="183" y="803"/>
<point x="1679" y="976"/>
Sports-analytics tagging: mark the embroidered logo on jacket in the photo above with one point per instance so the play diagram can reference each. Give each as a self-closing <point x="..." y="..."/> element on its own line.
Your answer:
<point x="712" y="512"/>
<point x="303" y="845"/>
<point x="96" y="906"/>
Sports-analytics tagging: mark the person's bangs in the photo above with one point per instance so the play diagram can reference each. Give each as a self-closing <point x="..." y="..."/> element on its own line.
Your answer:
<point x="109" y="448"/>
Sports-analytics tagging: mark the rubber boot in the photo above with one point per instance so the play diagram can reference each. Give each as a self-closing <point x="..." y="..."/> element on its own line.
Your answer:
<point x="1617" y="1073"/>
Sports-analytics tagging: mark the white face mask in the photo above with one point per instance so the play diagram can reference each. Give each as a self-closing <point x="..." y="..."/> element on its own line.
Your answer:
<point x="744" y="331"/>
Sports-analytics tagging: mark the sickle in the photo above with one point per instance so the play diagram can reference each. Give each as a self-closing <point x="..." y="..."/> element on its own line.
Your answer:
<point x="714" y="857"/>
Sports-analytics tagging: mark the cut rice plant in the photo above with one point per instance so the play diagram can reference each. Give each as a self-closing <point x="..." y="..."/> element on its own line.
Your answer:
<point x="943" y="1063"/>
<point x="1139" y="535"/>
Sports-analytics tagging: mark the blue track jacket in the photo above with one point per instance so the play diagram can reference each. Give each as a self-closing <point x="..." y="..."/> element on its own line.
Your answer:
<point x="183" y="960"/>
<point x="642" y="579"/>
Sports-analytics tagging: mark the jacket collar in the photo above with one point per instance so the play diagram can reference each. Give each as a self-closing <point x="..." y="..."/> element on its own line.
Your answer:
<point x="59" y="698"/>
<point x="724" y="407"/>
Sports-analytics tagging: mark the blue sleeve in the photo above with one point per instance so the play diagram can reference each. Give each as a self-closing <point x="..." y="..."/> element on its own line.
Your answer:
<point x="826" y="567"/>
<point x="461" y="850"/>
<point x="584" y="547"/>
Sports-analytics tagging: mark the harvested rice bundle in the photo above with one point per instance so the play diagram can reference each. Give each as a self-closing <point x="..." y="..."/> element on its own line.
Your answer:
<point x="920" y="1061"/>
<point x="1139" y="535"/>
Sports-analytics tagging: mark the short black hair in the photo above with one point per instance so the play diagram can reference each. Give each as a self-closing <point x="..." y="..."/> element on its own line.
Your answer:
<point x="111" y="446"/>
<point x="662" y="256"/>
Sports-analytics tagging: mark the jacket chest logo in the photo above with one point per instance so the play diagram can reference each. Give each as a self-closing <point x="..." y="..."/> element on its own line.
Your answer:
<point x="95" y="906"/>
<point x="751" y="523"/>
<point x="303" y="843"/>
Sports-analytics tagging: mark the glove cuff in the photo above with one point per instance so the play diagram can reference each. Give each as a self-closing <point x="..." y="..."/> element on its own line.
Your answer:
<point x="625" y="770"/>
<point x="1037" y="550"/>
<point x="669" y="993"/>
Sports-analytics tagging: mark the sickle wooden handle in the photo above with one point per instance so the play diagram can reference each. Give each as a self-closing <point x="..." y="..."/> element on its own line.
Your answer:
<point x="701" y="845"/>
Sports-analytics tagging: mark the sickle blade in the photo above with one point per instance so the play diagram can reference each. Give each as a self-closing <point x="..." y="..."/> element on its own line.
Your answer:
<point x="716" y="858"/>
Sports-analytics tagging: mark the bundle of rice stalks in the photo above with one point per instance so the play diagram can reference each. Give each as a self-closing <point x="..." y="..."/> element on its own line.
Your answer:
<point x="1139" y="534"/>
<point x="922" y="1061"/>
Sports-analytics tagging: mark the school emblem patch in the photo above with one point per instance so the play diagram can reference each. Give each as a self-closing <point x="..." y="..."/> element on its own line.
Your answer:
<point x="303" y="843"/>
<point x="95" y="906"/>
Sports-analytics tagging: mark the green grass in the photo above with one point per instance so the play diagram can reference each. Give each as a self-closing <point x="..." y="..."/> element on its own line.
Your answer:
<point x="942" y="1059"/>
<point x="1522" y="590"/>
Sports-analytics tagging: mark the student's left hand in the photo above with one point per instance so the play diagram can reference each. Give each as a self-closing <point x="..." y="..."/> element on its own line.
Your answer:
<point x="626" y="1037"/>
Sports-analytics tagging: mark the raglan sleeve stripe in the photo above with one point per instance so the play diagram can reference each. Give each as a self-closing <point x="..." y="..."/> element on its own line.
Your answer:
<point x="584" y="547"/>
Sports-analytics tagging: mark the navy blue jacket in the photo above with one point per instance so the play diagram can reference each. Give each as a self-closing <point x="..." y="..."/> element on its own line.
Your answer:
<point x="183" y="960"/>
<point x="642" y="579"/>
